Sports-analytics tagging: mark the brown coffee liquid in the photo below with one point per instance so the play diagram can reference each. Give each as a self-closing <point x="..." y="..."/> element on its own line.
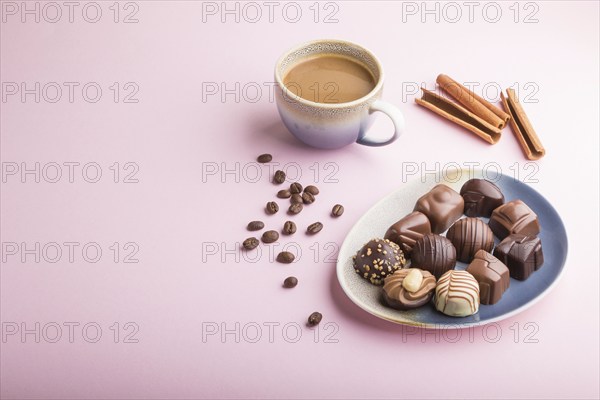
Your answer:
<point x="329" y="78"/>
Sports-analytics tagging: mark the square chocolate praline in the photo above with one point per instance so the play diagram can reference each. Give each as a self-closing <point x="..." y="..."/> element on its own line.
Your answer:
<point x="521" y="254"/>
<point x="514" y="217"/>
<point x="442" y="205"/>
<point x="408" y="230"/>
<point x="493" y="276"/>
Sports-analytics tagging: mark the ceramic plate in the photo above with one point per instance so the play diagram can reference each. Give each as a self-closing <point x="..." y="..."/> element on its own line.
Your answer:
<point x="519" y="296"/>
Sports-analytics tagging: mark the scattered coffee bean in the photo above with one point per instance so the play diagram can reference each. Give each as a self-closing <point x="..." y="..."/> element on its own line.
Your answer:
<point x="337" y="210"/>
<point x="296" y="188"/>
<point x="250" y="243"/>
<point x="312" y="190"/>
<point x="270" y="236"/>
<point x="284" y="194"/>
<point x="285" y="257"/>
<point x="255" y="225"/>
<point x="289" y="228"/>
<point x="279" y="177"/>
<point x="296" y="198"/>
<point x="295" y="208"/>
<point x="314" y="228"/>
<point x="290" y="282"/>
<point x="307" y="198"/>
<point x="264" y="158"/>
<point x="314" y="319"/>
<point x="272" y="207"/>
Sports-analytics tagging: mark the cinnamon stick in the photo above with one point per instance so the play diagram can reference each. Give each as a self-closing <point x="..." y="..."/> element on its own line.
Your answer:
<point x="459" y="115"/>
<point x="521" y="127"/>
<point x="475" y="103"/>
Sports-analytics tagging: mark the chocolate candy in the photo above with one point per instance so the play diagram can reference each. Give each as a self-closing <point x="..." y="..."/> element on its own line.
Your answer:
<point x="408" y="230"/>
<point x="481" y="197"/>
<point x="469" y="235"/>
<point x="434" y="253"/>
<point x="457" y="294"/>
<point x="442" y="206"/>
<point x="408" y="288"/>
<point x="492" y="275"/>
<point x="521" y="254"/>
<point x="514" y="217"/>
<point x="378" y="259"/>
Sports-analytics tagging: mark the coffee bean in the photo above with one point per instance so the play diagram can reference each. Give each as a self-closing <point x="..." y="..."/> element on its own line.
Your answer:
<point x="279" y="177"/>
<point x="290" y="282"/>
<point x="312" y="190"/>
<point x="264" y="158"/>
<point x="272" y="207"/>
<point x="314" y="319"/>
<point x="307" y="198"/>
<point x="270" y="236"/>
<point x="255" y="225"/>
<point x="314" y="228"/>
<point x="295" y="208"/>
<point x="337" y="210"/>
<point x="250" y="243"/>
<point x="296" y="188"/>
<point x="289" y="228"/>
<point x="284" y="194"/>
<point x="285" y="257"/>
<point x="296" y="198"/>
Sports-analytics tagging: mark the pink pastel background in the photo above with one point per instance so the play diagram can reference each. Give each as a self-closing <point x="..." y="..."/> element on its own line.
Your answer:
<point x="176" y="211"/>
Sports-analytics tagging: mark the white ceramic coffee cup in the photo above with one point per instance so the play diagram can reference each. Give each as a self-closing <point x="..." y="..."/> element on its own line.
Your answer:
<point x="333" y="125"/>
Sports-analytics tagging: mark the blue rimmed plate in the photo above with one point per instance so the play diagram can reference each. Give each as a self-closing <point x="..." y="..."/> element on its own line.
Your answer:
<point x="519" y="296"/>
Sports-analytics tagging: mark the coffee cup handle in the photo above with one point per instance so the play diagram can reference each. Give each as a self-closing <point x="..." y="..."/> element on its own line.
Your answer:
<point x="394" y="114"/>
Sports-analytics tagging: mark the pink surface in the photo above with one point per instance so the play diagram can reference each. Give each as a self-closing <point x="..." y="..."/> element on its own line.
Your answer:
<point x="186" y="223"/>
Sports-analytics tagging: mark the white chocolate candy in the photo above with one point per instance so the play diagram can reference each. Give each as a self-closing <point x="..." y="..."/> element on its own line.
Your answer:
<point x="457" y="294"/>
<point x="413" y="280"/>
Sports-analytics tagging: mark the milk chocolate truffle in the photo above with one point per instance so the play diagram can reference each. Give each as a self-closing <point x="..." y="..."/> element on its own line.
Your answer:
<point x="378" y="259"/>
<point x="481" y="197"/>
<point x="457" y="294"/>
<point x="492" y="275"/>
<point x="408" y="230"/>
<point x="442" y="205"/>
<point x="434" y="253"/>
<point x="521" y="254"/>
<point x="514" y="217"/>
<point x="408" y="288"/>
<point x="469" y="235"/>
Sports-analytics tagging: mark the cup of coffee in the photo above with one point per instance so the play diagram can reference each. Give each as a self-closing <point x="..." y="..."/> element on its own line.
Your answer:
<point x="327" y="94"/>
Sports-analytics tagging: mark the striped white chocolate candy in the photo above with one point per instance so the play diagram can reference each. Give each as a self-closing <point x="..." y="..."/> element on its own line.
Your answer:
<point x="457" y="294"/>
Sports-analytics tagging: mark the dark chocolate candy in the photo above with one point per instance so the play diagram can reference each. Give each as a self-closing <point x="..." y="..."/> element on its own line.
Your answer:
<point x="408" y="230"/>
<point x="469" y="235"/>
<point x="442" y="205"/>
<point x="481" y="197"/>
<point x="378" y="259"/>
<point x="514" y="217"/>
<point x="492" y="275"/>
<point x="521" y="254"/>
<point x="434" y="253"/>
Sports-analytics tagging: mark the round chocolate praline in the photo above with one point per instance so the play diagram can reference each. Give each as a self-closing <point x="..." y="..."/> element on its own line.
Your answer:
<point x="434" y="253"/>
<point x="377" y="259"/>
<point x="457" y="294"/>
<point x="469" y="235"/>
<point x="399" y="297"/>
